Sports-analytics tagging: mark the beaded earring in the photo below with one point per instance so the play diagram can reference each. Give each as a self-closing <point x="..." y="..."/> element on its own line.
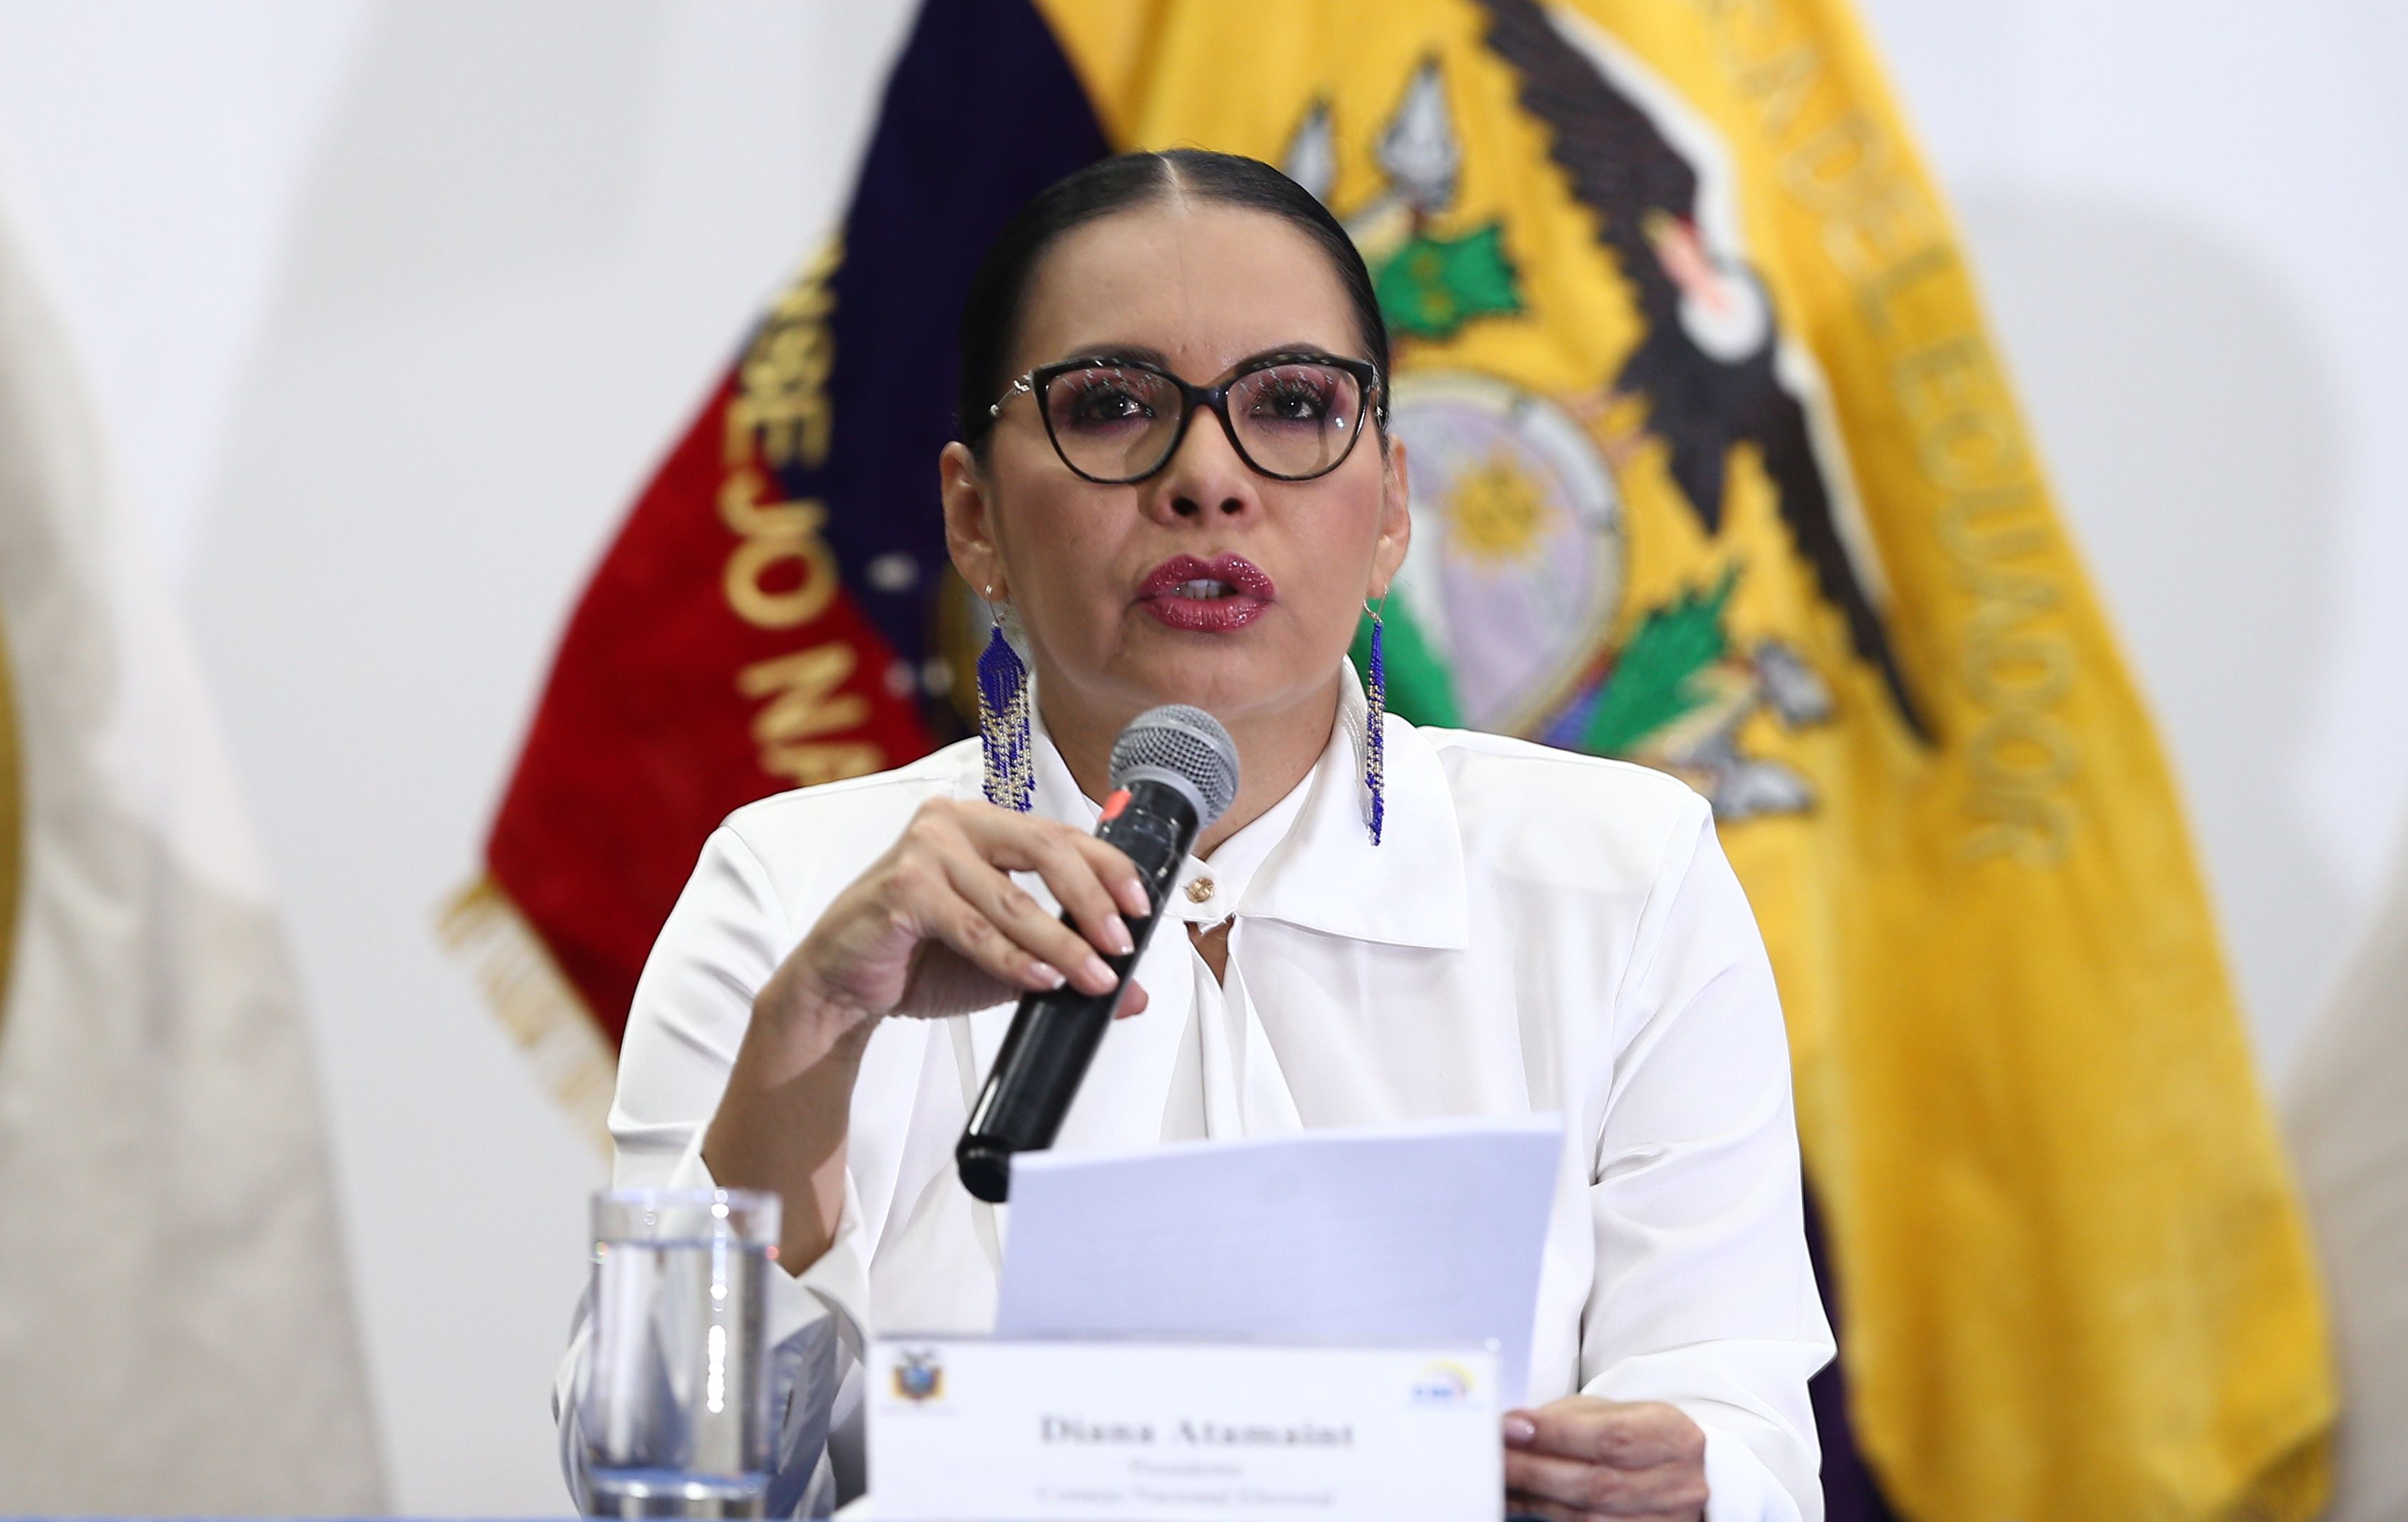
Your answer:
<point x="1003" y="721"/>
<point x="1375" y="745"/>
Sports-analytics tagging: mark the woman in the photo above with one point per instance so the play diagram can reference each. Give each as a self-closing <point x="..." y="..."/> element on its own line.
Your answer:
<point x="1174" y="480"/>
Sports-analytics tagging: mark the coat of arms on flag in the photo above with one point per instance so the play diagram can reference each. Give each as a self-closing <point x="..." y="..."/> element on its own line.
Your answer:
<point x="1714" y="469"/>
<point x="1510" y="614"/>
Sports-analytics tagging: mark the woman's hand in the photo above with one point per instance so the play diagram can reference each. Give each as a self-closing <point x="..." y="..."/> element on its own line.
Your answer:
<point x="936" y="927"/>
<point x="933" y="927"/>
<point x="1581" y="1457"/>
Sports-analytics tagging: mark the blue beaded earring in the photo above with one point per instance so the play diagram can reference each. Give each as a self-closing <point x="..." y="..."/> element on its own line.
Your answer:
<point x="1375" y="743"/>
<point x="1003" y="721"/>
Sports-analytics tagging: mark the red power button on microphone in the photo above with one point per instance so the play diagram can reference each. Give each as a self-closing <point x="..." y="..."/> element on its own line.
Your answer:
<point x="1114" y="805"/>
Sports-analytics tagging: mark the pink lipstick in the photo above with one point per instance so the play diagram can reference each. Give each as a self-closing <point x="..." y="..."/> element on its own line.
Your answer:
<point x="1206" y="596"/>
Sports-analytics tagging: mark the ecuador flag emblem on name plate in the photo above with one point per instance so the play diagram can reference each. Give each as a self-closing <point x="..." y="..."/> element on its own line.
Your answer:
<point x="1715" y="468"/>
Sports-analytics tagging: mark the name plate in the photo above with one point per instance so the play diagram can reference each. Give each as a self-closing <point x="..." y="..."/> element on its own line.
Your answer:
<point x="981" y="1429"/>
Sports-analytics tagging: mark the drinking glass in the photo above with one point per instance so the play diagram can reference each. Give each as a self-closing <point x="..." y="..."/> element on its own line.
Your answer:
<point x="675" y="1412"/>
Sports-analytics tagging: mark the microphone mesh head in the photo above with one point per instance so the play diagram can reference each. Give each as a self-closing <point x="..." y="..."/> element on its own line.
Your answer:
<point x="1183" y="745"/>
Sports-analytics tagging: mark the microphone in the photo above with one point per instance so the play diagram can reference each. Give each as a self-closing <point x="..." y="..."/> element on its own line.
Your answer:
<point x="1174" y="772"/>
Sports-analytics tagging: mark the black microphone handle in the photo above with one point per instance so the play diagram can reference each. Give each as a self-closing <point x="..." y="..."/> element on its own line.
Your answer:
<point x="1055" y="1035"/>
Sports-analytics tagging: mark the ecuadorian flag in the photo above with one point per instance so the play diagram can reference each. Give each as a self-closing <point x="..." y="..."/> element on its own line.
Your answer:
<point x="1716" y="469"/>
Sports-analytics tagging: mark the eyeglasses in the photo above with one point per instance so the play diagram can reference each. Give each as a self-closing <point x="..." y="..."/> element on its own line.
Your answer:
<point x="1114" y="422"/>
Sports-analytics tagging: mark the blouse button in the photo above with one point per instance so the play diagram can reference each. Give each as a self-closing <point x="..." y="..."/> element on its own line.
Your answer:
<point x="1199" y="889"/>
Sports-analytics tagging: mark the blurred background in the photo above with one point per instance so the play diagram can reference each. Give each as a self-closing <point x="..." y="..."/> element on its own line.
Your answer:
<point x="391" y="308"/>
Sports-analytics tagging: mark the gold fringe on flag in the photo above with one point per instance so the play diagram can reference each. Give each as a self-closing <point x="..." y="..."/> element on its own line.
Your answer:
<point x="527" y="990"/>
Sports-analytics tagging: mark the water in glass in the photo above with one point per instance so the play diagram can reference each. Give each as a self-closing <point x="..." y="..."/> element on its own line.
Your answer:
<point x="675" y="1410"/>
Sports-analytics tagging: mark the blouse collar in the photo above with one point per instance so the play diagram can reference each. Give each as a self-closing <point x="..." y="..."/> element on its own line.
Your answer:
<point x="1309" y="861"/>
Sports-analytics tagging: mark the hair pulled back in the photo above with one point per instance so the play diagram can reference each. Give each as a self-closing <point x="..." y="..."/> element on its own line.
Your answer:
<point x="991" y="312"/>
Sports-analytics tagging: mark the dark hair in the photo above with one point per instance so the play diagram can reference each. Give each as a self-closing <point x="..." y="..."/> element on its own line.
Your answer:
<point x="991" y="312"/>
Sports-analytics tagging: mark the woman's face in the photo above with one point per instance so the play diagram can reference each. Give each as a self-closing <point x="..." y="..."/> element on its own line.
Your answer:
<point x="1104" y="578"/>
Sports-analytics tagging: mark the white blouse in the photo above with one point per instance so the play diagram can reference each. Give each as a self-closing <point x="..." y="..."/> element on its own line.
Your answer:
<point x="1537" y="932"/>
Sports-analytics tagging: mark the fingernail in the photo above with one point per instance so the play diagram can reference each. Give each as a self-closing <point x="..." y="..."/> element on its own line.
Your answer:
<point x="1132" y="898"/>
<point x="1047" y="976"/>
<point x="1095" y="969"/>
<point x="1520" y="1430"/>
<point x="1116" y="939"/>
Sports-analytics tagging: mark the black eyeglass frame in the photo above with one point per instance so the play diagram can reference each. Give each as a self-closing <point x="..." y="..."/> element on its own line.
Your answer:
<point x="1214" y="397"/>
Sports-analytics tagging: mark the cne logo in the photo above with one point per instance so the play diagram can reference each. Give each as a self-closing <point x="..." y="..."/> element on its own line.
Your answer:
<point x="919" y="1375"/>
<point x="1441" y="1385"/>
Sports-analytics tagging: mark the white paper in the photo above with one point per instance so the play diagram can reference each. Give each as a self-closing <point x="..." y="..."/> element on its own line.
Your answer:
<point x="1426" y="1234"/>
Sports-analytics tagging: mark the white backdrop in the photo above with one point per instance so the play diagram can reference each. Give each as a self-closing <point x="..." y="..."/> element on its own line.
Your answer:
<point x="391" y="306"/>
